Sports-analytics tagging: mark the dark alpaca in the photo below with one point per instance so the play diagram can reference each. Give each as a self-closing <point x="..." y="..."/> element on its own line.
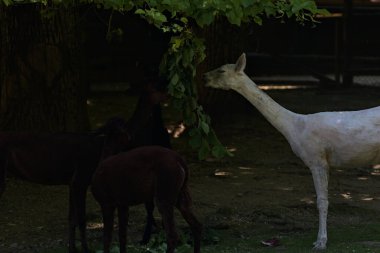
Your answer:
<point x="55" y="159"/>
<point x="144" y="175"/>
<point x="154" y="132"/>
<point x="67" y="158"/>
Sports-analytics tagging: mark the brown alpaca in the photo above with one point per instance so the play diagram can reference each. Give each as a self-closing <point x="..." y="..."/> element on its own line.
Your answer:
<point x="149" y="175"/>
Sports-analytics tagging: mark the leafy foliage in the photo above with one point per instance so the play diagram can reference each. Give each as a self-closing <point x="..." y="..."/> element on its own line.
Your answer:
<point x="186" y="50"/>
<point x="179" y="64"/>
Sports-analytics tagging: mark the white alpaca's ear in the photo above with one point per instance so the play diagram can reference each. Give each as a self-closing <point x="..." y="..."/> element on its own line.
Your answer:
<point x="240" y="63"/>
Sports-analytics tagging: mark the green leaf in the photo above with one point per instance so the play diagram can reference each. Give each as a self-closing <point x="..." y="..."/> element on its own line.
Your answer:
<point x="258" y="20"/>
<point x="323" y="12"/>
<point x="218" y="151"/>
<point x="204" y="18"/>
<point x="7" y="2"/>
<point x="299" y="5"/>
<point x="184" y="20"/>
<point x="115" y="249"/>
<point x="204" y="151"/>
<point x="140" y="12"/>
<point x="213" y="139"/>
<point x="247" y="3"/>
<point x="187" y="56"/>
<point x="205" y="127"/>
<point x="194" y="132"/>
<point x="176" y="43"/>
<point x="195" y="141"/>
<point x="174" y="80"/>
<point x="234" y="16"/>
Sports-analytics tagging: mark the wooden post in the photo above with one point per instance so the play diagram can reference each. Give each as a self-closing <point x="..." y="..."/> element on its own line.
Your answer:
<point x="337" y="48"/>
<point x="347" y="43"/>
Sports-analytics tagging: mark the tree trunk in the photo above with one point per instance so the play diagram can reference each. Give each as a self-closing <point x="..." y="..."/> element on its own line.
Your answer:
<point x="41" y="75"/>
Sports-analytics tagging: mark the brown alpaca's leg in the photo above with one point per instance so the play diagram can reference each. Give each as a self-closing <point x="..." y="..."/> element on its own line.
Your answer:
<point x="2" y="174"/>
<point x="108" y="215"/>
<point x="149" y="206"/>
<point x="123" y="213"/>
<point x="167" y="213"/>
<point x="78" y="192"/>
<point x="80" y="203"/>
<point x="184" y="206"/>
<point x="73" y="220"/>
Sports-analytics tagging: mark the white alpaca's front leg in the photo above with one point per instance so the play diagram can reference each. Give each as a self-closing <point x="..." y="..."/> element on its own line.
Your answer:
<point x="320" y="178"/>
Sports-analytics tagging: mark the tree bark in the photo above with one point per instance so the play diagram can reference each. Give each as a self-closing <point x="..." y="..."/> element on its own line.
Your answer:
<point x="41" y="74"/>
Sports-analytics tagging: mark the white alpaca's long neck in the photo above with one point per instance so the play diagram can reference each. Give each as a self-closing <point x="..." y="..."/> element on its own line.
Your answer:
<point x="282" y="119"/>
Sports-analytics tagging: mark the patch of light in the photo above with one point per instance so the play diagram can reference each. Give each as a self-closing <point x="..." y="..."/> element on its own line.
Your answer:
<point x="246" y="171"/>
<point x="307" y="200"/>
<point x="89" y="102"/>
<point x="245" y="168"/>
<point x="362" y="178"/>
<point x="176" y="130"/>
<point x="218" y="173"/>
<point x="346" y="195"/>
<point x="285" y="188"/>
<point x="231" y="149"/>
<point x="376" y="170"/>
<point x="331" y="15"/>
<point x="284" y="87"/>
<point x="367" y="199"/>
<point x="94" y="225"/>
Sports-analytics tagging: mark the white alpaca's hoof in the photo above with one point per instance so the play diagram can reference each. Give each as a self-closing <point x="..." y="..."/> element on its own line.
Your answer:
<point x="319" y="245"/>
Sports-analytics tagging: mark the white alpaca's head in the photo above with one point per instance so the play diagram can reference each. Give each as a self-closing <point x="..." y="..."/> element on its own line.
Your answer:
<point x="228" y="76"/>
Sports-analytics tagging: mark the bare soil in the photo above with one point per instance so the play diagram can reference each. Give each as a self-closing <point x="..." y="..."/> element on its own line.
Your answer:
<point x="262" y="187"/>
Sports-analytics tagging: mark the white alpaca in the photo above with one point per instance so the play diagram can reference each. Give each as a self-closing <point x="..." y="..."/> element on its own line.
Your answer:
<point x="322" y="140"/>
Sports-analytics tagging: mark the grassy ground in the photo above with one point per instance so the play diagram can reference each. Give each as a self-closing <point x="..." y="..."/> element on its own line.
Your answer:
<point x="262" y="192"/>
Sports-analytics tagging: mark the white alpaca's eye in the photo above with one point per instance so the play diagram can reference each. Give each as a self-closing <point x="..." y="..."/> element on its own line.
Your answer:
<point x="221" y="71"/>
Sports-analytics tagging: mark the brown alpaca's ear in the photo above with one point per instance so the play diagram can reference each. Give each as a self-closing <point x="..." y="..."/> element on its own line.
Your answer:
<point x="240" y="63"/>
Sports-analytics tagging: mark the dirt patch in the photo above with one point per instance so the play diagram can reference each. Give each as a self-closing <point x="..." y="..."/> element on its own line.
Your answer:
<point x="264" y="186"/>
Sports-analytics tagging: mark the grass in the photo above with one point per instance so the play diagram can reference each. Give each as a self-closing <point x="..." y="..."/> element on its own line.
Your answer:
<point x="345" y="239"/>
<point x="341" y="240"/>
